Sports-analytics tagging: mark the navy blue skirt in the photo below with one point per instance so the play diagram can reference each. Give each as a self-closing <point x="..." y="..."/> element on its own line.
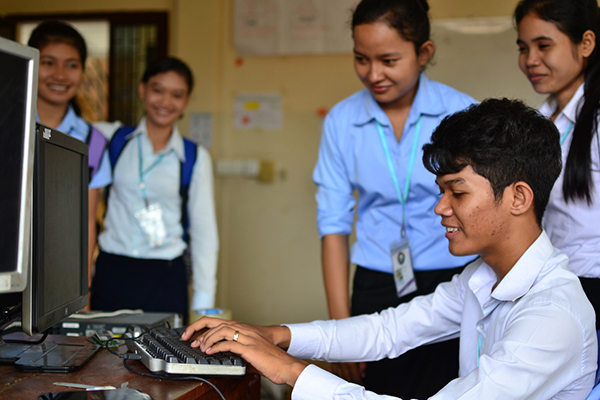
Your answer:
<point x="151" y="285"/>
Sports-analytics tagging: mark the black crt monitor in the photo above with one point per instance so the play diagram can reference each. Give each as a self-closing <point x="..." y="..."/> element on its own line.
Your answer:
<point x="18" y="97"/>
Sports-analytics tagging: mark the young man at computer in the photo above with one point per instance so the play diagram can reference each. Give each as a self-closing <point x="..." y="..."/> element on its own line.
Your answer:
<point x="526" y="327"/>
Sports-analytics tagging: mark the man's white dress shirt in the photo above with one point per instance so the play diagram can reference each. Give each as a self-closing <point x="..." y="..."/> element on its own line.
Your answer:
<point x="532" y="337"/>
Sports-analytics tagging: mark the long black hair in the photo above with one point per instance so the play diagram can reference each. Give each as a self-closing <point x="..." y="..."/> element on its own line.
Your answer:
<point x="49" y="32"/>
<point x="573" y="18"/>
<point x="408" y="17"/>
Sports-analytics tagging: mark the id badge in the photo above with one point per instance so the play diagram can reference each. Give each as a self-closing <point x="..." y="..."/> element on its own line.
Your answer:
<point x="153" y="225"/>
<point x="404" y="276"/>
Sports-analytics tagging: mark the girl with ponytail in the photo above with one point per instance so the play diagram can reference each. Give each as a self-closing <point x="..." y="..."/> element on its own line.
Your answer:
<point x="559" y="53"/>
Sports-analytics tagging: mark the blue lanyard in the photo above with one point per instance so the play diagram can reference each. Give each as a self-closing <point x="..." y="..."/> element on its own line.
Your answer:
<point x="142" y="172"/>
<point x="566" y="133"/>
<point x="402" y="195"/>
<point x="478" y="349"/>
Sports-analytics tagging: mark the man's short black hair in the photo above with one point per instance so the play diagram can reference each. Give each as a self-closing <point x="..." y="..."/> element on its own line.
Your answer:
<point x="504" y="141"/>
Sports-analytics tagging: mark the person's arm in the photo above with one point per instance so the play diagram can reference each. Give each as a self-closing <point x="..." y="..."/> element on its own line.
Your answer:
<point x="262" y="346"/>
<point x="93" y="198"/>
<point x="204" y="238"/>
<point x="335" y="259"/>
<point x="335" y="216"/>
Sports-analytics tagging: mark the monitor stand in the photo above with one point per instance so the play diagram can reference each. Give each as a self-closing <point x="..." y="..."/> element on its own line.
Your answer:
<point x="65" y="355"/>
<point x="56" y="357"/>
<point x="9" y="352"/>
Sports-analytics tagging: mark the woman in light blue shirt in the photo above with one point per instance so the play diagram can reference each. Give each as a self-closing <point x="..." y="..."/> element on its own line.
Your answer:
<point x="62" y="61"/>
<point x="371" y="144"/>
<point x="560" y="55"/>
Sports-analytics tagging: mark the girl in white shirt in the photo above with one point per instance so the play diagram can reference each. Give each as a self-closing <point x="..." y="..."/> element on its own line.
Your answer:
<point x="141" y="262"/>
<point x="560" y="56"/>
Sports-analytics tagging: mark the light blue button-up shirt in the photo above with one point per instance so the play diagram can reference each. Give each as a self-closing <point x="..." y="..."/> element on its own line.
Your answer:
<point x="75" y="126"/>
<point x="351" y="157"/>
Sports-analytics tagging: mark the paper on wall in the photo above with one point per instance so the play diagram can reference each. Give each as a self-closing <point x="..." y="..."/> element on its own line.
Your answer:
<point x="258" y="110"/>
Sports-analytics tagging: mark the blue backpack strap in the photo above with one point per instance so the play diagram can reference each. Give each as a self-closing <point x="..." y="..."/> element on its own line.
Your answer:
<point x="187" y="167"/>
<point x="191" y="152"/>
<point x="117" y="143"/>
<point x="97" y="144"/>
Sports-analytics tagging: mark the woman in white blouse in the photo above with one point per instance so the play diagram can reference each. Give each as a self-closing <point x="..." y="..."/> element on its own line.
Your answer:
<point x="558" y="52"/>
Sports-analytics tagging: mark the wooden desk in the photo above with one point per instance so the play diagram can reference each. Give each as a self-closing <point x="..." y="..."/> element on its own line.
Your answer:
<point x="107" y="369"/>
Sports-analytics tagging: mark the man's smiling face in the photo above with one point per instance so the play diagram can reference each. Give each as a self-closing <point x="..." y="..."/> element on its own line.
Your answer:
<point x="475" y="222"/>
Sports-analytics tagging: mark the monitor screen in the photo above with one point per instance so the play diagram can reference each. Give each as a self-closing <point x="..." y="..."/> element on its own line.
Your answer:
<point x="58" y="284"/>
<point x="18" y="95"/>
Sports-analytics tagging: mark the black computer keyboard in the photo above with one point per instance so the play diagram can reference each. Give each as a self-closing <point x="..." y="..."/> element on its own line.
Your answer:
<point x="161" y="349"/>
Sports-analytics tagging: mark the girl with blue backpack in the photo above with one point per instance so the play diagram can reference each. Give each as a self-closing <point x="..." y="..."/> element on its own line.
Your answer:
<point x="162" y="192"/>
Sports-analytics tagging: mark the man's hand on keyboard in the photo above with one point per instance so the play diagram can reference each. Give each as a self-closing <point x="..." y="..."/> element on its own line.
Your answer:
<point x="261" y="346"/>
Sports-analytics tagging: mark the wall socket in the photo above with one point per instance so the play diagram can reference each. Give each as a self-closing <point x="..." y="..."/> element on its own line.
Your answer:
<point x="262" y="170"/>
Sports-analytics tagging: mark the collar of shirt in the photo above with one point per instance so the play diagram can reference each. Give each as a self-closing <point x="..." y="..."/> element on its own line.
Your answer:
<point x="426" y="101"/>
<point x="570" y="111"/>
<point x="517" y="281"/>
<point x="175" y="143"/>
<point x="74" y="125"/>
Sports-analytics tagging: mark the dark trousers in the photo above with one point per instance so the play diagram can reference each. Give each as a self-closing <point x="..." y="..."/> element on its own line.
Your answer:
<point x="133" y="283"/>
<point x="418" y="373"/>
<point x="591" y="287"/>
